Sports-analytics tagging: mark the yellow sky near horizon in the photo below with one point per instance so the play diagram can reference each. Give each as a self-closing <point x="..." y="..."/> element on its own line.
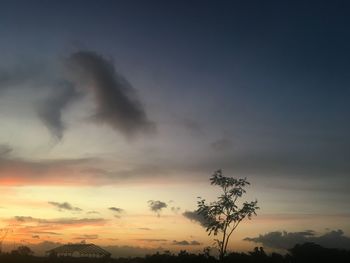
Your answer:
<point x="26" y="211"/>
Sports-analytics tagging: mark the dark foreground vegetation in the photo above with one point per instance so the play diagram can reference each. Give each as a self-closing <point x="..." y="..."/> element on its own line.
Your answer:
<point x="308" y="252"/>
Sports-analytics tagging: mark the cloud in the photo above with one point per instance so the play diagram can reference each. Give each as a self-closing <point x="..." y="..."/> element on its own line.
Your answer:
<point x="287" y="240"/>
<point x="61" y="221"/>
<point x="46" y="233"/>
<point x="151" y="240"/>
<point x="175" y="209"/>
<point x="156" y="206"/>
<point x="222" y="145"/>
<point x="193" y="126"/>
<point x="83" y="237"/>
<point x="50" y="111"/>
<point x="24" y="218"/>
<point x="186" y="243"/>
<point x="41" y="78"/>
<point x="194" y="216"/>
<point x="29" y="73"/>
<point x="117" y="104"/>
<point x="116" y="209"/>
<point x="29" y="228"/>
<point x="17" y="172"/>
<point x="92" y="212"/>
<point x="116" y="101"/>
<point x="144" y="228"/>
<point x="112" y="239"/>
<point x="65" y="206"/>
<point x="5" y="150"/>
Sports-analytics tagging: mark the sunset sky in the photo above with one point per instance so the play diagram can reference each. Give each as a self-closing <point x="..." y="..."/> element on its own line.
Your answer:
<point x="106" y="106"/>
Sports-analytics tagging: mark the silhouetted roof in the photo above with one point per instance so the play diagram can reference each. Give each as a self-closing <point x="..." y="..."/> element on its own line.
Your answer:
<point x="83" y="249"/>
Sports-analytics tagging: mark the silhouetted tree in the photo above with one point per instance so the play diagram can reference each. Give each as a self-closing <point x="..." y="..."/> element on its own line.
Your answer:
<point x="206" y="252"/>
<point x="224" y="215"/>
<point x="22" y="251"/>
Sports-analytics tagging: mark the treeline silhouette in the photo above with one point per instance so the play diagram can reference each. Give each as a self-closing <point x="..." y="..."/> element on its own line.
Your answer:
<point x="308" y="252"/>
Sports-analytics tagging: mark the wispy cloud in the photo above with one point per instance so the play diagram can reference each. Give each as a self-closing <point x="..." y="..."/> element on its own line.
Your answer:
<point x="65" y="206"/>
<point x="116" y="209"/>
<point x="60" y="221"/>
<point x="151" y="240"/>
<point x="17" y="171"/>
<point x="46" y="233"/>
<point x="222" y="145"/>
<point x="26" y="73"/>
<point x="175" y="209"/>
<point x="50" y="111"/>
<point x="5" y="150"/>
<point x="83" y="237"/>
<point x="92" y="212"/>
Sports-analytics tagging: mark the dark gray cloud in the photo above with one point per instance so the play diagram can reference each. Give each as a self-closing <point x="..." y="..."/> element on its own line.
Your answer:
<point x="50" y="111"/>
<point x="156" y="206"/>
<point x="65" y="206"/>
<point x="194" y="216"/>
<point x="286" y="240"/>
<point x="186" y="243"/>
<point x="117" y="103"/>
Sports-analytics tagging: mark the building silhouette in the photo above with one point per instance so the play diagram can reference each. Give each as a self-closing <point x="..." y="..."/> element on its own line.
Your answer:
<point x="79" y="250"/>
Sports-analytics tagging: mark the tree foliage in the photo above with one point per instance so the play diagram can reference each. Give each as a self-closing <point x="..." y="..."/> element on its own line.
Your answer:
<point x="225" y="214"/>
<point x="22" y="251"/>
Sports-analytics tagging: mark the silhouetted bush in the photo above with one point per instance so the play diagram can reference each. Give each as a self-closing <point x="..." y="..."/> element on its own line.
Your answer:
<point x="308" y="252"/>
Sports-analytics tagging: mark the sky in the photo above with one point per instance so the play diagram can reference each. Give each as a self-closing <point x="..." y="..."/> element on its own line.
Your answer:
<point x="114" y="115"/>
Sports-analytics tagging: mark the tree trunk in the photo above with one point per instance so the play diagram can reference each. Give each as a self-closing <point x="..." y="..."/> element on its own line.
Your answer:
<point x="222" y="252"/>
<point x="221" y="256"/>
